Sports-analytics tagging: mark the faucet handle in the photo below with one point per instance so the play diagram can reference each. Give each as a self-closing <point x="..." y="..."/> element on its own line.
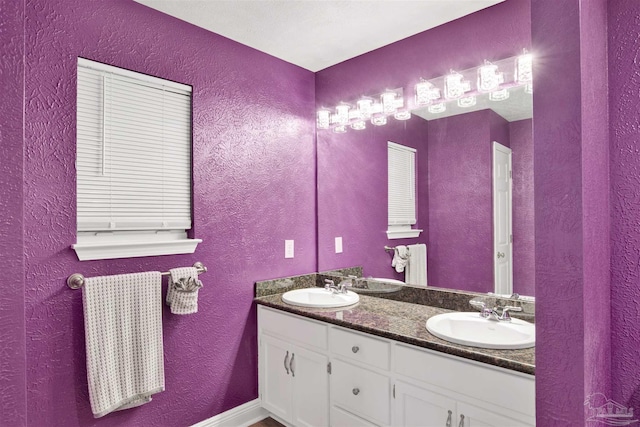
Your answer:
<point x="505" y="311"/>
<point x="328" y="283"/>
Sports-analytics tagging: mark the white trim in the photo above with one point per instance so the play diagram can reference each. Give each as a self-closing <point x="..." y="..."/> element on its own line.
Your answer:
<point x="400" y="147"/>
<point x="99" y="66"/>
<point x="406" y="233"/>
<point x="240" y="416"/>
<point x="111" y="250"/>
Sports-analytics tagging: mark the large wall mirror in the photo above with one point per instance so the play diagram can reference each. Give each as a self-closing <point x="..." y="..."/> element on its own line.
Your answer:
<point x="457" y="205"/>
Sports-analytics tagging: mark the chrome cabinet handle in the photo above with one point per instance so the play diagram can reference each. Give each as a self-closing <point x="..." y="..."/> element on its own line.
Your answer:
<point x="286" y="360"/>
<point x="356" y="391"/>
<point x="293" y="374"/>
<point x="448" y="424"/>
<point x="461" y="424"/>
<point x="355" y="348"/>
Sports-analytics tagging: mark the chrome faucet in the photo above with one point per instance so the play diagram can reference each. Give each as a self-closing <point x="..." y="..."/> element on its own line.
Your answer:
<point x="340" y="288"/>
<point x="501" y="314"/>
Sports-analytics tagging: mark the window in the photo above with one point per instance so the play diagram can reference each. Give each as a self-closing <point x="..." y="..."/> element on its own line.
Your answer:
<point x="133" y="164"/>
<point x="401" y="191"/>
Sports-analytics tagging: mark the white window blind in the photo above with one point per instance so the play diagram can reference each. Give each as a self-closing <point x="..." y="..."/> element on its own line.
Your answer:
<point x="402" y="184"/>
<point x="133" y="151"/>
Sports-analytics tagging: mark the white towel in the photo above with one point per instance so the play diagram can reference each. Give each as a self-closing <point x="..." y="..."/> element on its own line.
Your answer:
<point x="400" y="258"/>
<point x="416" y="273"/>
<point x="182" y="292"/>
<point x="123" y="334"/>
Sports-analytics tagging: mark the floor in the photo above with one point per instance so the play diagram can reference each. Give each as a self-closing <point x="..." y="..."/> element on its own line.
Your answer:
<point x="267" y="422"/>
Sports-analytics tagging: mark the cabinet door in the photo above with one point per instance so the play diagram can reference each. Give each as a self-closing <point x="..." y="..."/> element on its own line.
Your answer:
<point x="276" y="379"/>
<point x="478" y="417"/>
<point x="419" y="407"/>
<point x="311" y="388"/>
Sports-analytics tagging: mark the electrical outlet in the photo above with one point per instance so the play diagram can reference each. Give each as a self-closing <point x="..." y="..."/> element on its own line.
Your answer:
<point x="338" y="245"/>
<point x="288" y="248"/>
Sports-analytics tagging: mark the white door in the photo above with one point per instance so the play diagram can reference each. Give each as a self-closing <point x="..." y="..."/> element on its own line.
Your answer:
<point x="310" y="388"/>
<point x="418" y="407"/>
<point x="276" y="376"/>
<point x="502" y="229"/>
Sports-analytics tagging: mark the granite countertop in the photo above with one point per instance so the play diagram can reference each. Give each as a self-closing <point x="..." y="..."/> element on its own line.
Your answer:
<point x="405" y="322"/>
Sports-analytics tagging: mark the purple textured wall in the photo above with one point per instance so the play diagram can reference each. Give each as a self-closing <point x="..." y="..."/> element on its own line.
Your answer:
<point x="460" y="242"/>
<point x="12" y="321"/>
<point x="524" y="250"/>
<point x="624" y="104"/>
<point x="494" y="33"/>
<point x="571" y="247"/>
<point x="254" y="187"/>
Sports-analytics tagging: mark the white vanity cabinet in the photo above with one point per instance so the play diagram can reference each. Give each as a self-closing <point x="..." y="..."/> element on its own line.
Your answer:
<point x="344" y="378"/>
<point x="293" y="364"/>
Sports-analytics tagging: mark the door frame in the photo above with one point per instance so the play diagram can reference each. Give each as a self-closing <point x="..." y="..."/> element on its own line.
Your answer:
<point x="496" y="146"/>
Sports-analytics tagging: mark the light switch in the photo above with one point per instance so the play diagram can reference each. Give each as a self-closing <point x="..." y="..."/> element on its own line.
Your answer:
<point x="288" y="248"/>
<point x="338" y="245"/>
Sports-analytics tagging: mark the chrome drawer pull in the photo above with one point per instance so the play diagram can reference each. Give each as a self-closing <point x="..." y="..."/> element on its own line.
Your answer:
<point x="448" y="420"/>
<point x="355" y="348"/>
<point x="286" y="361"/>
<point x="293" y="374"/>
<point x="461" y="424"/>
<point x="356" y="391"/>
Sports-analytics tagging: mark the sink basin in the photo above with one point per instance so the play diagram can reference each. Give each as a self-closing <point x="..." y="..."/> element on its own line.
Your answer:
<point x="475" y="331"/>
<point x="320" y="298"/>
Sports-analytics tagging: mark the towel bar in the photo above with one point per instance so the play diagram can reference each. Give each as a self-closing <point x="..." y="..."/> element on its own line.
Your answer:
<point x="76" y="280"/>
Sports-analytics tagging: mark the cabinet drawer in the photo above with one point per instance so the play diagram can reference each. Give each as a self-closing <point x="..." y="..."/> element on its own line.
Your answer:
<point x="360" y="391"/>
<point x="340" y="418"/>
<point x="360" y="348"/>
<point x="294" y="328"/>
<point x="512" y="390"/>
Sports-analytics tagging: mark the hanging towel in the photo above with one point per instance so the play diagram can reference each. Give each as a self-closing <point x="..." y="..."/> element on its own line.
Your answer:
<point x="400" y="258"/>
<point x="416" y="273"/>
<point x="182" y="292"/>
<point x="123" y="334"/>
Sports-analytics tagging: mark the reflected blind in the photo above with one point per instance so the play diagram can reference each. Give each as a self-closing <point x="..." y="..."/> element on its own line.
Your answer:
<point x="402" y="184"/>
<point x="133" y="157"/>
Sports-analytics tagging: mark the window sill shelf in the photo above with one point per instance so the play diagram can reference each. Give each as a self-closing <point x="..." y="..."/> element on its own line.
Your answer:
<point x="403" y="234"/>
<point x="111" y="250"/>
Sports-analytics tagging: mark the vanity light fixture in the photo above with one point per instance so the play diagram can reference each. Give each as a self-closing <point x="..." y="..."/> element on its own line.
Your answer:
<point x="499" y="95"/>
<point x="402" y="114"/>
<point x="379" y="119"/>
<point x="524" y="68"/>
<point x="489" y="78"/>
<point x="467" y="101"/>
<point x="365" y="108"/>
<point x="455" y="86"/>
<point x="342" y="114"/>
<point x="426" y="92"/>
<point x="323" y="118"/>
<point x="437" y="108"/>
<point x="389" y="100"/>
<point x="358" y="125"/>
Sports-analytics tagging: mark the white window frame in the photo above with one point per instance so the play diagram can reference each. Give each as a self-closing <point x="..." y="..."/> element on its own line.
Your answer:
<point x="101" y="242"/>
<point x="401" y="192"/>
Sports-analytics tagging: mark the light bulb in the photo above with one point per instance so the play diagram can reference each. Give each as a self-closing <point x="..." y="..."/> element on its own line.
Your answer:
<point x="365" y="106"/>
<point x="524" y="68"/>
<point x="437" y="108"/>
<point x="499" y="95"/>
<point x="324" y="119"/>
<point x="426" y="92"/>
<point x="467" y="102"/>
<point x="379" y="119"/>
<point x="340" y="129"/>
<point x="402" y="115"/>
<point x="342" y="114"/>
<point x="358" y="125"/>
<point x="389" y="102"/>
<point x="489" y="78"/>
<point x="454" y="86"/>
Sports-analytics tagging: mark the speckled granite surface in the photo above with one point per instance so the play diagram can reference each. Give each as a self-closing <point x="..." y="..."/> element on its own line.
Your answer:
<point x="405" y="322"/>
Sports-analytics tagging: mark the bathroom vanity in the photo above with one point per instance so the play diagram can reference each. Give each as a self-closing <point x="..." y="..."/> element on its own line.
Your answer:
<point x="375" y="364"/>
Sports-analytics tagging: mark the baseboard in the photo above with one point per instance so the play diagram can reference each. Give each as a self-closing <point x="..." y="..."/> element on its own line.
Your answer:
<point x="240" y="416"/>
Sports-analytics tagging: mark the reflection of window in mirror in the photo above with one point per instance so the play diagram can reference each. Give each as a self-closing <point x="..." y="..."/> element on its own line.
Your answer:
<point x="401" y="191"/>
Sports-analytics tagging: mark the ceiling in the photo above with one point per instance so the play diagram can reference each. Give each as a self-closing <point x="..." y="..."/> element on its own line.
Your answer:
<point x="316" y="34"/>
